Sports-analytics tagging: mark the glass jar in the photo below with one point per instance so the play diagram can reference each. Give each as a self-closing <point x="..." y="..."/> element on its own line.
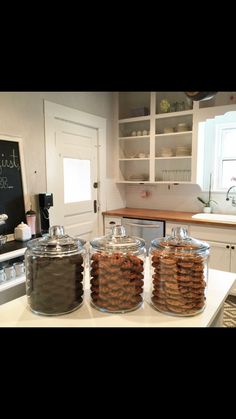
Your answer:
<point x="179" y="273"/>
<point x="117" y="266"/>
<point x="31" y="221"/>
<point x="54" y="266"/>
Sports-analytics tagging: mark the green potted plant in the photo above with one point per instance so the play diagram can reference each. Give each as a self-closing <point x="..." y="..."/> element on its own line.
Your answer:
<point x="207" y="202"/>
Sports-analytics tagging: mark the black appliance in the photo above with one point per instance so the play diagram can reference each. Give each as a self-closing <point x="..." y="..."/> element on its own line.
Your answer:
<point x="45" y="202"/>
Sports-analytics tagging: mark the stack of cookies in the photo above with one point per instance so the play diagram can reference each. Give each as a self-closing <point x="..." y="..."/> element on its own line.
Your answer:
<point x="54" y="285"/>
<point x="116" y="281"/>
<point x="178" y="282"/>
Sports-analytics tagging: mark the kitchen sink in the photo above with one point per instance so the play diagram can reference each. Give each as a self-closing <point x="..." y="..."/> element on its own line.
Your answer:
<point x="224" y="218"/>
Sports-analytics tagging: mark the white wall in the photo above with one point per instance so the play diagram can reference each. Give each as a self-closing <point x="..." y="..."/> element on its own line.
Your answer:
<point x="21" y="114"/>
<point x="175" y="198"/>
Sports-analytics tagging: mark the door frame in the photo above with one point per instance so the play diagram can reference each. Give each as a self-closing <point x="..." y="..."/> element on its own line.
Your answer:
<point x="54" y="112"/>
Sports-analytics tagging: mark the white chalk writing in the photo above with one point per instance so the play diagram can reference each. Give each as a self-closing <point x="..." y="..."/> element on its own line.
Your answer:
<point x="4" y="183"/>
<point x="12" y="162"/>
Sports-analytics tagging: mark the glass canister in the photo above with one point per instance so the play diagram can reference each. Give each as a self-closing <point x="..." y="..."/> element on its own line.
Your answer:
<point x="31" y="220"/>
<point x="179" y="273"/>
<point x="117" y="271"/>
<point x="54" y="267"/>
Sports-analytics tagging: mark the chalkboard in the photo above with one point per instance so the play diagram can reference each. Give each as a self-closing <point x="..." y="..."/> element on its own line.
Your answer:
<point x="11" y="185"/>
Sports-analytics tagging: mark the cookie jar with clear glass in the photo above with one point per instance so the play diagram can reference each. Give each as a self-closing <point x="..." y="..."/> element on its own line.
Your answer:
<point x="117" y="265"/>
<point x="178" y="273"/>
<point x="54" y="266"/>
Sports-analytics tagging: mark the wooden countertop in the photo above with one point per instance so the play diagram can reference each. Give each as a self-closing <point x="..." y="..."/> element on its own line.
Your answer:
<point x="165" y="215"/>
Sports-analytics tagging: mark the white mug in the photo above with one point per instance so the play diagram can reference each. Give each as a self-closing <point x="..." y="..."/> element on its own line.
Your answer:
<point x="10" y="272"/>
<point x="2" y="275"/>
<point x="19" y="268"/>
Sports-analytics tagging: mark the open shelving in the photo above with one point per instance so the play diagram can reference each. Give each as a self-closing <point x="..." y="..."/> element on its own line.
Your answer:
<point x="140" y="138"/>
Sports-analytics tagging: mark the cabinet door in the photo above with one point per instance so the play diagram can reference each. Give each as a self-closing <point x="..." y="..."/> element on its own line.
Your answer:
<point x="233" y="258"/>
<point x="110" y="222"/>
<point x="219" y="256"/>
<point x="233" y="266"/>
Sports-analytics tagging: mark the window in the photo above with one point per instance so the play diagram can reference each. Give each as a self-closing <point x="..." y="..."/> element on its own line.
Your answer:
<point x="77" y="182"/>
<point x="225" y="154"/>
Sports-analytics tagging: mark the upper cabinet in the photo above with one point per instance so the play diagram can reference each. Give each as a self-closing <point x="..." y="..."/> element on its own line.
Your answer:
<point x="173" y="137"/>
<point x="154" y="136"/>
<point x="134" y="134"/>
<point x="157" y="135"/>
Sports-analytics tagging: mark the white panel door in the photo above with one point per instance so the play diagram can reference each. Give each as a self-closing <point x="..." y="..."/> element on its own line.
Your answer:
<point x="75" y="145"/>
<point x="74" y="195"/>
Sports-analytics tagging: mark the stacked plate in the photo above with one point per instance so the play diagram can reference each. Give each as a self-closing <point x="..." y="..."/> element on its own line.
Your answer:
<point x="139" y="177"/>
<point x="182" y="151"/>
<point x="182" y="127"/>
<point x="166" y="152"/>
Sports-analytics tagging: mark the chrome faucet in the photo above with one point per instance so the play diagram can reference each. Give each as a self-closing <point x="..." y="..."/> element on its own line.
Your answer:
<point x="229" y="197"/>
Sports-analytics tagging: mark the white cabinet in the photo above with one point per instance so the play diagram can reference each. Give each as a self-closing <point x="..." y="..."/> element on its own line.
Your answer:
<point x="222" y="243"/>
<point x="15" y="287"/>
<point x="223" y="258"/>
<point x="219" y="256"/>
<point x="233" y="258"/>
<point x="154" y="146"/>
<point x="173" y="138"/>
<point x="110" y="222"/>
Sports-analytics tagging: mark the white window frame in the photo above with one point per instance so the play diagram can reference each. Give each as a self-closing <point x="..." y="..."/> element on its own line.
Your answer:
<point x="219" y="158"/>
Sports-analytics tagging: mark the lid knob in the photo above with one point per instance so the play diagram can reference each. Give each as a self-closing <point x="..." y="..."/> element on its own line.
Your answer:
<point x="118" y="231"/>
<point x="56" y="231"/>
<point x="179" y="233"/>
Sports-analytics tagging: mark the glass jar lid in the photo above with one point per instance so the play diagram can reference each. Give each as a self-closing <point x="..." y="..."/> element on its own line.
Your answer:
<point x="179" y="241"/>
<point x="118" y="241"/>
<point x="56" y="242"/>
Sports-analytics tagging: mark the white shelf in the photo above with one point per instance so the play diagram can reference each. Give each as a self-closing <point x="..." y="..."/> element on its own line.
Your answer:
<point x="173" y="157"/>
<point x="135" y="119"/>
<point x="13" y="254"/>
<point x="11" y="283"/>
<point x="134" y="158"/>
<point x="171" y="182"/>
<point x="174" y="114"/>
<point x="134" y="137"/>
<point x="134" y="181"/>
<point x="174" y="134"/>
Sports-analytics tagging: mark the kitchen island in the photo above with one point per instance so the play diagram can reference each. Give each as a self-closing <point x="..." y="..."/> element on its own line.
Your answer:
<point x="17" y="314"/>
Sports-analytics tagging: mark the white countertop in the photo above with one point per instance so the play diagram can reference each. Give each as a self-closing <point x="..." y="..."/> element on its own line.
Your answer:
<point x="17" y="314"/>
